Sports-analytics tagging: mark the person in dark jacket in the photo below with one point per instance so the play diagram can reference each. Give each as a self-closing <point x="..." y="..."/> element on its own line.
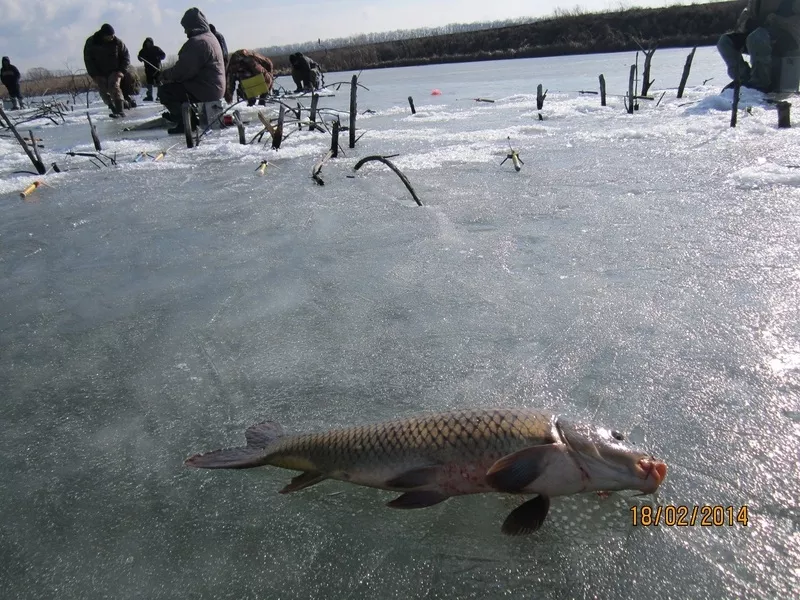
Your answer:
<point x="306" y="73"/>
<point x="107" y="58"/>
<point x="222" y="44"/>
<point x="151" y="55"/>
<point x="199" y="74"/>
<point x="9" y="74"/>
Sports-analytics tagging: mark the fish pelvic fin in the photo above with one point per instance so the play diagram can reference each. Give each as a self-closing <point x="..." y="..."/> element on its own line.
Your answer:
<point x="259" y="438"/>
<point x="303" y="481"/>
<point x="527" y="517"/>
<point x="514" y="472"/>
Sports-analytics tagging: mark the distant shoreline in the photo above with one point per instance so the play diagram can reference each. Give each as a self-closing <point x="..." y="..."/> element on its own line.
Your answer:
<point x="567" y="35"/>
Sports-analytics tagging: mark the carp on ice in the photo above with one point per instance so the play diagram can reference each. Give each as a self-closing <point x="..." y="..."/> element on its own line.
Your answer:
<point x="433" y="457"/>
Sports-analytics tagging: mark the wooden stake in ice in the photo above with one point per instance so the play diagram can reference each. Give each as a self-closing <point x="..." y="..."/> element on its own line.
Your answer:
<point x="237" y="118"/>
<point x="353" y="109"/>
<point x="335" y="139"/>
<point x="629" y="105"/>
<point x="38" y="164"/>
<point x="784" y="114"/>
<point x="646" y="81"/>
<point x="93" y="131"/>
<point x="540" y="96"/>
<point x="411" y="104"/>
<point x="686" y="68"/>
<point x="313" y="117"/>
<point x="602" y="90"/>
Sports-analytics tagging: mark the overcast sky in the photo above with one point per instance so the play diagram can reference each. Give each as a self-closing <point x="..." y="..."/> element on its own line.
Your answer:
<point x="51" y="33"/>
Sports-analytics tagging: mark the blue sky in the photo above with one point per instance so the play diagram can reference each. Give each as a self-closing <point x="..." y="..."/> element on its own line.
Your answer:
<point x="51" y="33"/>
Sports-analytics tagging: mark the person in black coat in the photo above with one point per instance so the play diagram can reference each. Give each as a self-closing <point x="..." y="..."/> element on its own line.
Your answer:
<point x="151" y="55"/>
<point x="10" y="77"/>
<point x="222" y="44"/>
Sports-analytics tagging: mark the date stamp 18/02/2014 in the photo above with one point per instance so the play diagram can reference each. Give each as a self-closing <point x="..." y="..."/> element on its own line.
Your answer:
<point x="684" y="515"/>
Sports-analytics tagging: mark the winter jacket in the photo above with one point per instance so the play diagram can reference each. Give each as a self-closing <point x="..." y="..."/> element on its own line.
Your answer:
<point x="244" y="64"/>
<point x="153" y="55"/>
<point x="103" y="58"/>
<point x="9" y="75"/>
<point x="222" y="45"/>
<point x="200" y="67"/>
<point x="780" y="17"/>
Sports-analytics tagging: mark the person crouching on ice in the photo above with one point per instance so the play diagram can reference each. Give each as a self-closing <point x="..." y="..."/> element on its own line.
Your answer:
<point x="244" y="64"/>
<point x="765" y="28"/>
<point x="199" y="74"/>
<point x="306" y="73"/>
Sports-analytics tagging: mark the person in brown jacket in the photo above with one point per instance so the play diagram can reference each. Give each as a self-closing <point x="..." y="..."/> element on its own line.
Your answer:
<point x="107" y="58"/>
<point x="199" y="74"/>
<point x="244" y="64"/>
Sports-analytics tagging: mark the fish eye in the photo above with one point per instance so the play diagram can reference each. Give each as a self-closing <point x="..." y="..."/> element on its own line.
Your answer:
<point x="618" y="436"/>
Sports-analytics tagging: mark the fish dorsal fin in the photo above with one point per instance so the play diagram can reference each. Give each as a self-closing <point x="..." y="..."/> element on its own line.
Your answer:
<point x="303" y="481"/>
<point x="514" y="472"/>
<point x="527" y="517"/>
<point x="261" y="435"/>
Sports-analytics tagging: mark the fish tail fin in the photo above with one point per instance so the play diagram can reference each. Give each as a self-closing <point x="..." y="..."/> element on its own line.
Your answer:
<point x="256" y="454"/>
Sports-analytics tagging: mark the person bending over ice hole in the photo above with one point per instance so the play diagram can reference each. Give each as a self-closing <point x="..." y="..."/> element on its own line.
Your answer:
<point x="9" y="74"/>
<point x="107" y="59"/>
<point x="765" y="28"/>
<point x="199" y="74"/>
<point x="151" y="55"/>
<point x="244" y="64"/>
<point x="306" y="73"/>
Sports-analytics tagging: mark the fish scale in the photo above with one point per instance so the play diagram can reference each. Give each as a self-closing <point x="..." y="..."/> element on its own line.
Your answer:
<point x="441" y="437"/>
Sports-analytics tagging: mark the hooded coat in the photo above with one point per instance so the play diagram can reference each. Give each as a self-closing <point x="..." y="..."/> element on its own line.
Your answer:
<point x="103" y="58"/>
<point x="200" y="67"/>
<point x="9" y="74"/>
<point x="153" y="55"/>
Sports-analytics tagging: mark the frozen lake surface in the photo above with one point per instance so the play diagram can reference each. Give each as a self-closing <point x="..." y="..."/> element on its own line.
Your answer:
<point x="639" y="271"/>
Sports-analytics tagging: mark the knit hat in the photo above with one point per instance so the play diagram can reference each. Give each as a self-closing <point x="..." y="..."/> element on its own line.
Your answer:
<point x="107" y="29"/>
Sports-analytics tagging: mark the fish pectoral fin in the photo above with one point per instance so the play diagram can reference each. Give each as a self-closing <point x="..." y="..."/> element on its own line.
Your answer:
<point x="304" y="480"/>
<point x="515" y="471"/>
<point x="262" y="434"/>
<point x="421" y="499"/>
<point x="527" y="517"/>
<point x="414" y="478"/>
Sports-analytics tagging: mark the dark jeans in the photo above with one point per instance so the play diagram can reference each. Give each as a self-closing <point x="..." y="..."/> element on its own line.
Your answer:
<point x="173" y="95"/>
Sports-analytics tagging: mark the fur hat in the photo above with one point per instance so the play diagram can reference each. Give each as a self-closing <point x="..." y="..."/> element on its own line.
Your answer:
<point x="107" y="29"/>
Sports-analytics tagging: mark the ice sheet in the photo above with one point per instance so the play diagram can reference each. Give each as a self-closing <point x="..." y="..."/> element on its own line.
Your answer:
<point x="640" y="271"/>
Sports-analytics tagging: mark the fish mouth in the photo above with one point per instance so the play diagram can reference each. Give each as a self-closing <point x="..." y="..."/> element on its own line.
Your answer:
<point x="653" y="472"/>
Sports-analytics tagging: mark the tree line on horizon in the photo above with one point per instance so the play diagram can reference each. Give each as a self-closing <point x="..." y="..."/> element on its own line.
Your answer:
<point x="567" y="31"/>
